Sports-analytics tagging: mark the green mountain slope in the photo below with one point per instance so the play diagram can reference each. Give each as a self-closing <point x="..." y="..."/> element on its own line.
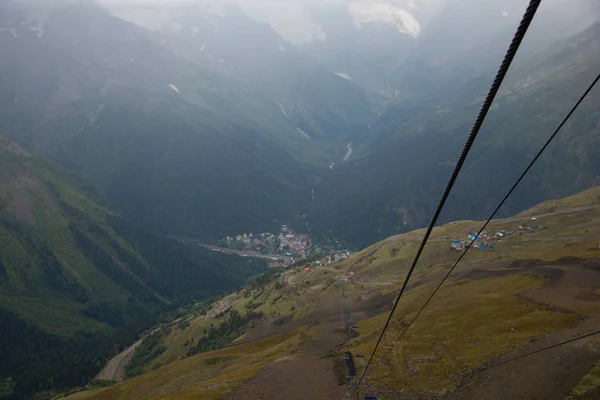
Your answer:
<point x="397" y="174"/>
<point x="77" y="281"/>
<point x="175" y="157"/>
<point x="252" y="125"/>
<point x="539" y="286"/>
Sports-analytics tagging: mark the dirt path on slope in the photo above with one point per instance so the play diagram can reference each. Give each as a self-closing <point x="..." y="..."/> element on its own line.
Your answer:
<point x="224" y="305"/>
<point x="115" y="368"/>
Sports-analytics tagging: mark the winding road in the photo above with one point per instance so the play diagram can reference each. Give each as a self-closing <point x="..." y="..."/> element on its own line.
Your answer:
<point x="115" y="368"/>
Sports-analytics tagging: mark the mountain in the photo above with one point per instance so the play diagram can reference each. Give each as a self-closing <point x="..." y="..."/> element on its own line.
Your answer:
<point x="401" y="51"/>
<point x="538" y="287"/>
<point x="201" y="121"/>
<point x="77" y="280"/>
<point x="364" y="41"/>
<point x="413" y="148"/>
<point x="450" y="55"/>
<point x="318" y="102"/>
<point x="171" y="140"/>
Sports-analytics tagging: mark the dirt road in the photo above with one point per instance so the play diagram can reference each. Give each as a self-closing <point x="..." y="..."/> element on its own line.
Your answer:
<point x="224" y="304"/>
<point x="115" y="368"/>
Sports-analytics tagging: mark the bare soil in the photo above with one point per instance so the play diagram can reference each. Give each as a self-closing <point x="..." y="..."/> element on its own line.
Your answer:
<point x="306" y="375"/>
<point x="550" y="374"/>
<point x="299" y="378"/>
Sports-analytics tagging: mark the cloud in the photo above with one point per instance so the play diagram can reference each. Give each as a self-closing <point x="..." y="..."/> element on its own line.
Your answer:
<point x="293" y="19"/>
<point x="365" y="12"/>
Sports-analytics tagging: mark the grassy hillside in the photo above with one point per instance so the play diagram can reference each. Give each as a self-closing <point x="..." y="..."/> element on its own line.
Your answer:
<point x="538" y="286"/>
<point x="77" y="281"/>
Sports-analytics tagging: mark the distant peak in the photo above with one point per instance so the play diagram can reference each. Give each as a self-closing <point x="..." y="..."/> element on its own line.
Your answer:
<point x="369" y="11"/>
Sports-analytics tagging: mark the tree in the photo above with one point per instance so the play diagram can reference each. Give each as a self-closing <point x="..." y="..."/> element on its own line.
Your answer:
<point x="7" y="387"/>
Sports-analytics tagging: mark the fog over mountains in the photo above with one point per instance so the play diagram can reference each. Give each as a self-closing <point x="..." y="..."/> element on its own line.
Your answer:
<point x="206" y="118"/>
<point x="129" y="127"/>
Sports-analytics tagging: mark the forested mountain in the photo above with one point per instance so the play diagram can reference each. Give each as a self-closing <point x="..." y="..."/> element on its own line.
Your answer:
<point x="77" y="281"/>
<point x="128" y="123"/>
<point x="413" y="153"/>
<point x="200" y="120"/>
<point x="170" y="139"/>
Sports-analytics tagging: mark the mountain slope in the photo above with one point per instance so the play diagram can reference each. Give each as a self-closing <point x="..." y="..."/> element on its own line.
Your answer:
<point x="184" y="134"/>
<point x="311" y="96"/>
<point x="413" y="149"/>
<point x="73" y="273"/>
<point x="190" y="145"/>
<point x="539" y="286"/>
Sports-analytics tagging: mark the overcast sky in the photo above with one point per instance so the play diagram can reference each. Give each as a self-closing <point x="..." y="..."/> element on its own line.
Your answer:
<point x="292" y="18"/>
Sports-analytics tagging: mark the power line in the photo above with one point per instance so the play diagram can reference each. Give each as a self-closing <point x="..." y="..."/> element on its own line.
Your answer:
<point x="550" y="139"/>
<point x="485" y="108"/>
<point x="587" y="335"/>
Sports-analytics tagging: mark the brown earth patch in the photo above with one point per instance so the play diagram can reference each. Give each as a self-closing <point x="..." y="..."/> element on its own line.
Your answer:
<point x="550" y="374"/>
<point x="300" y="378"/>
<point x="18" y="198"/>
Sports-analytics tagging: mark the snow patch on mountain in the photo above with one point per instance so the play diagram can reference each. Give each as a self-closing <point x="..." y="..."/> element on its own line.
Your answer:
<point x="12" y="31"/>
<point x="367" y="11"/>
<point x="283" y="110"/>
<point x="301" y="132"/>
<point x="38" y="28"/>
<point x="343" y="75"/>
<point x="348" y="152"/>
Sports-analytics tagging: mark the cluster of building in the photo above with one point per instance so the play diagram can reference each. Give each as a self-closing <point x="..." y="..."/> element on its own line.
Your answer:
<point x="333" y="257"/>
<point x="291" y="243"/>
<point x="486" y="240"/>
<point x="285" y="242"/>
<point x="482" y="242"/>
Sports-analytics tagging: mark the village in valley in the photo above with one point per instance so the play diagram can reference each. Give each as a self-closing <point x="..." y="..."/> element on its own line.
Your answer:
<point x="289" y="245"/>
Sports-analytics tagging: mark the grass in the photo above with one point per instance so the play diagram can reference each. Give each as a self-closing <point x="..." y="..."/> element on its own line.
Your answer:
<point x="484" y="319"/>
<point x="207" y="375"/>
<point x="389" y="259"/>
<point x="588" y="387"/>
<point x="42" y="187"/>
<point x="177" y="338"/>
<point x="52" y="314"/>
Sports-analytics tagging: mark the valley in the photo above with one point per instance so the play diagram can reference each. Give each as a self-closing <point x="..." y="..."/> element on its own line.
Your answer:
<point x="220" y="199"/>
<point x="230" y="152"/>
<point x="78" y="281"/>
<point x="535" y="289"/>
